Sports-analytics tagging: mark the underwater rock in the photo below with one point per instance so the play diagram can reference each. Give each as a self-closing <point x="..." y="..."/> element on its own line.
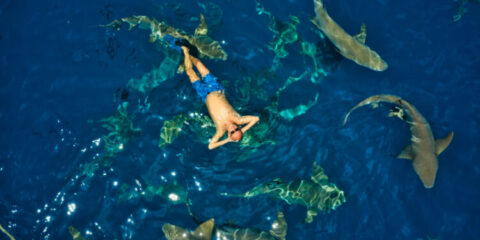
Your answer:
<point x="316" y="194"/>
<point x="205" y="231"/>
<point x="206" y="46"/>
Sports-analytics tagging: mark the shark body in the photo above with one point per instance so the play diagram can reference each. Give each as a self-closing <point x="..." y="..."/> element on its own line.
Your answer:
<point x="353" y="48"/>
<point x="423" y="149"/>
<point x="207" y="47"/>
<point x="205" y="231"/>
<point x="316" y="194"/>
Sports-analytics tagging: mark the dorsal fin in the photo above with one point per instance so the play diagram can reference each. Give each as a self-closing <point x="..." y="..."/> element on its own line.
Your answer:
<point x="202" y="28"/>
<point x="204" y="231"/>
<point x="76" y="235"/>
<point x="279" y="227"/>
<point x="362" y="35"/>
<point x="442" y="143"/>
<point x="318" y="176"/>
<point x="406" y="153"/>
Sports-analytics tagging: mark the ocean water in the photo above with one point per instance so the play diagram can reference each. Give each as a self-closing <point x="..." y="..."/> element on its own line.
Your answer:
<point x="61" y="74"/>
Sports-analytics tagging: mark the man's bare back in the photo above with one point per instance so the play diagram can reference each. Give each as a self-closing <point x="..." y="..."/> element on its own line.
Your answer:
<point x="224" y="116"/>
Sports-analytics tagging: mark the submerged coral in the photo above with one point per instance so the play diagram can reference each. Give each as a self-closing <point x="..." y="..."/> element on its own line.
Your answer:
<point x="316" y="194"/>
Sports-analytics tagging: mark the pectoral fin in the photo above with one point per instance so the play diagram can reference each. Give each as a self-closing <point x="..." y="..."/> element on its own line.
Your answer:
<point x="406" y="153"/>
<point x="204" y="231"/>
<point x="311" y="214"/>
<point x="442" y="143"/>
<point x="318" y="175"/>
<point x="279" y="227"/>
<point x="362" y="35"/>
<point x="202" y="28"/>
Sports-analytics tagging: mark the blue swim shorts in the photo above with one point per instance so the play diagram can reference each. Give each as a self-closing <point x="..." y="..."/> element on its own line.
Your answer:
<point x="207" y="85"/>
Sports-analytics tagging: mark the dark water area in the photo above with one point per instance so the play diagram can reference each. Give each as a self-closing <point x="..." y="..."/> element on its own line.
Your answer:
<point x="60" y="74"/>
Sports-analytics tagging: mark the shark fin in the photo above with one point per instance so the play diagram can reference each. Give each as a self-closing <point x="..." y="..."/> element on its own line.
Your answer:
<point x="76" y="235"/>
<point x="442" y="143"/>
<point x="202" y="28"/>
<point x="172" y="232"/>
<point x="316" y="22"/>
<point x="311" y="214"/>
<point x="318" y="175"/>
<point x="362" y="35"/>
<point x="406" y="153"/>
<point x="204" y="231"/>
<point x="279" y="227"/>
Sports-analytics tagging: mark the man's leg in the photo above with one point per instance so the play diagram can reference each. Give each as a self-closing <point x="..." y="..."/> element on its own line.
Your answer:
<point x="188" y="66"/>
<point x="200" y="67"/>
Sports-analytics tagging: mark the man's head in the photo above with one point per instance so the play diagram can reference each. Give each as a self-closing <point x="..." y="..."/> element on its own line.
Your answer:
<point x="235" y="132"/>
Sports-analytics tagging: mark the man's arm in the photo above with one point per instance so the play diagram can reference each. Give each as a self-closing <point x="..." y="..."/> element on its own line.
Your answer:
<point x="249" y="120"/>
<point x="214" y="141"/>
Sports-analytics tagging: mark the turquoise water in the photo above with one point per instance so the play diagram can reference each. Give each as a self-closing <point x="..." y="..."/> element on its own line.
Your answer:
<point x="61" y="74"/>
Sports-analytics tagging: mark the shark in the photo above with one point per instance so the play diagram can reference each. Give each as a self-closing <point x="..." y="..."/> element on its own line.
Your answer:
<point x="423" y="149"/>
<point x="6" y="232"/>
<point x="316" y="193"/>
<point x="76" y="235"/>
<point x="206" y="46"/>
<point x="353" y="48"/>
<point x="206" y="229"/>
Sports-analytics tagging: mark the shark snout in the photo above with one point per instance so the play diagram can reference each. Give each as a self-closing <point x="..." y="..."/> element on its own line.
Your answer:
<point x="428" y="175"/>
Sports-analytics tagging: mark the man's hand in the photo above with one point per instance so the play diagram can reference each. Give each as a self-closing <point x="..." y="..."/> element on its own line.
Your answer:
<point x="249" y="120"/>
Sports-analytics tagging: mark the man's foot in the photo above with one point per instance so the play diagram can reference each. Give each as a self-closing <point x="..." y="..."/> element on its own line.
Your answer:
<point x="185" y="51"/>
<point x="173" y="43"/>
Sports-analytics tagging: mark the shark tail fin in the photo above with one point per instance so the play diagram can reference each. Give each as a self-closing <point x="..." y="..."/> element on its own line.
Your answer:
<point x="171" y="231"/>
<point x="202" y="28"/>
<point x="279" y="227"/>
<point x="204" y="231"/>
<point x="442" y="143"/>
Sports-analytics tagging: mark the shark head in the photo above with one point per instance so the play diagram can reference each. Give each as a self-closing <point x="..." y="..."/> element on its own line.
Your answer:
<point x="426" y="169"/>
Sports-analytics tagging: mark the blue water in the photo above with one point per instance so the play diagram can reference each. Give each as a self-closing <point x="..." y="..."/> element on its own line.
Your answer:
<point x="59" y="73"/>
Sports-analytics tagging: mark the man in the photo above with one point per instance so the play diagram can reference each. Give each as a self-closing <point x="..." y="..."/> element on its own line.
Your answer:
<point x="226" y="119"/>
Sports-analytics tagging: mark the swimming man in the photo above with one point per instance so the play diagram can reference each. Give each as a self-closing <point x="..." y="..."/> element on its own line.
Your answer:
<point x="226" y="119"/>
